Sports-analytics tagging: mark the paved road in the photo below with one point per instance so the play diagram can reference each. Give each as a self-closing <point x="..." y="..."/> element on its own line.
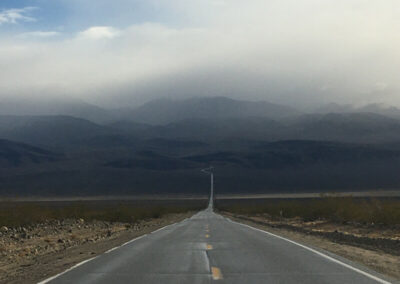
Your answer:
<point x="209" y="248"/>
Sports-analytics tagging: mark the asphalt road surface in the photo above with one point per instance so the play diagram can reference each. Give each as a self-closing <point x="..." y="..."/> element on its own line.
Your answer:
<point x="209" y="248"/>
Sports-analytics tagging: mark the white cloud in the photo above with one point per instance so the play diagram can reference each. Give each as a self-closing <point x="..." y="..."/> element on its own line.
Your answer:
<point x="96" y="33"/>
<point x="39" y="34"/>
<point x="14" y="16"/>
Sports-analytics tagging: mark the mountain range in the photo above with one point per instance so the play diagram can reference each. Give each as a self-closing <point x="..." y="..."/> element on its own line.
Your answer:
<point x="159" y="148"/>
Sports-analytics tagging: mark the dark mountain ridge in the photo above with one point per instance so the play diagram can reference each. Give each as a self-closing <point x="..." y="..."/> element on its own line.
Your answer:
<point x="13" y="154"/>
<point x="254" y="147"/>
<point x="164" y="111"/>
<point x="36" y="106"/>
<point x="295" y="153"/>
<point x="49" y="130"/>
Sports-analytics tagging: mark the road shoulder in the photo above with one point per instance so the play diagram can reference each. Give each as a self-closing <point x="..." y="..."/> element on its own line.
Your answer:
<point x="382" y="262"/>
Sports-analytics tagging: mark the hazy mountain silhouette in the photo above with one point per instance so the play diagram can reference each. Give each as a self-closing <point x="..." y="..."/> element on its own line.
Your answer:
<point x="13" y="154"/>
<point x="68" y="131"/>
<point x="49" y="130"/>
<point x="129" y="127"/>
<point x="218" y="128"/>
<point x="382" y="109"/>
<point x="346" y="127"/>
<point x="333" y="108"/>
<point x="161" y="147"/>
<point x="152" y="161"/>
<point x="164" y="111"/>
<point x="53" y="107"/>
<point x="376" y="108"/>
<point x="298" y="153"/>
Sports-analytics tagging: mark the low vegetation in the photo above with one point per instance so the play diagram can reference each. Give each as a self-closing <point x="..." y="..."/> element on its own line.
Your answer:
<point x="14" y="214"/>
<point x="348" y="209"/>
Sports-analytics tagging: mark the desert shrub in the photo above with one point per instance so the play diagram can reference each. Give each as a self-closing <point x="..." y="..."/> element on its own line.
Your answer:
<point x="336" y="209"/>
<point x="26" y="213"/>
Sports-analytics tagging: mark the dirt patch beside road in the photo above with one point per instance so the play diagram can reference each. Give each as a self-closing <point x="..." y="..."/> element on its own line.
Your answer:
<point x="376" y="248"/>
<point x="30" y="254"/>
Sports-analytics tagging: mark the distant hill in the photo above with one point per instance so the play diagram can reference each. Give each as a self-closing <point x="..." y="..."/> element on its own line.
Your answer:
<point x="54" y="107"/>
<point x="151" y="161"/>
<point x="333" y="108"/>
<point x="262" y="167"/>
<point x="382" y="109"/>
<point x="164" y="111"/>
<point x="161" y="147"/>
<point x="106" y="141"/>
<point x="13" y="154"/>
<point x="161" y="143"/>
<point x="296" y="153"/>
<point x="345" y="127"/>
<point x="68" y="131"/>
<point x="218" y="128"/>
<point x="49" y="130"/>
<point x="129" y="127"/>
<point x="341" y="127"/>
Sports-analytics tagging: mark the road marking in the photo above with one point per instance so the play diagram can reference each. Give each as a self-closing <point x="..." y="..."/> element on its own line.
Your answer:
<point x="377" y="279"/>
<point x="160" y="229"/>
<point x="133" y="240"/>
<point x="207" y="235"/>
<point x="209" y="247"/>
<point x="207" y="262"/>
<point x="216" y="273"/>
<point x="110" y="250"/>
<point x="69" y="269"/>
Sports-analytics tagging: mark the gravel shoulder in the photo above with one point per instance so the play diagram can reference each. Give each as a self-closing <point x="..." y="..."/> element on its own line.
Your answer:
<point x="376" y="249"/>
<point x="31" y="254"/>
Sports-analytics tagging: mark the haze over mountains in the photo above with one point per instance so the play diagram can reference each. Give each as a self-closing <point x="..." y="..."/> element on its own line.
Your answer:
<point x="71" y="147"/>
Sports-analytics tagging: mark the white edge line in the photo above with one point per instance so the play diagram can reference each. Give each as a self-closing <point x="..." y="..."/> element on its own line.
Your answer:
<point x="131" y="241"/>
<point x="318" y="253"/>
<point x="110" y="250"/>
<point x="69" y="269"/>
<point x="160" y="229"/>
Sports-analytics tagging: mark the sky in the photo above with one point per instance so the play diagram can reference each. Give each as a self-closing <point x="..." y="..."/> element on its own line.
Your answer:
<point x="125" y="52"/>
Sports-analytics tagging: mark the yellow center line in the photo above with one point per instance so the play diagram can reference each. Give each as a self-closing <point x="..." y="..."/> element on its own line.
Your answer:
<point x="216" y="273"/>
<point x="207" y="235"/>
<point x="209" y="247"/>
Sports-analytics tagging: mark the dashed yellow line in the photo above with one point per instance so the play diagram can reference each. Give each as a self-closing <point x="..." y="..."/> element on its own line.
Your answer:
<point x="207" y="235"/>
<point x="216" y="273"/>
<point x="209" y="247"/>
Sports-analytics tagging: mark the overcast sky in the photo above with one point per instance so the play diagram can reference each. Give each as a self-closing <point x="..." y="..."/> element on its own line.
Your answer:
<point x="128" y="51"/>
